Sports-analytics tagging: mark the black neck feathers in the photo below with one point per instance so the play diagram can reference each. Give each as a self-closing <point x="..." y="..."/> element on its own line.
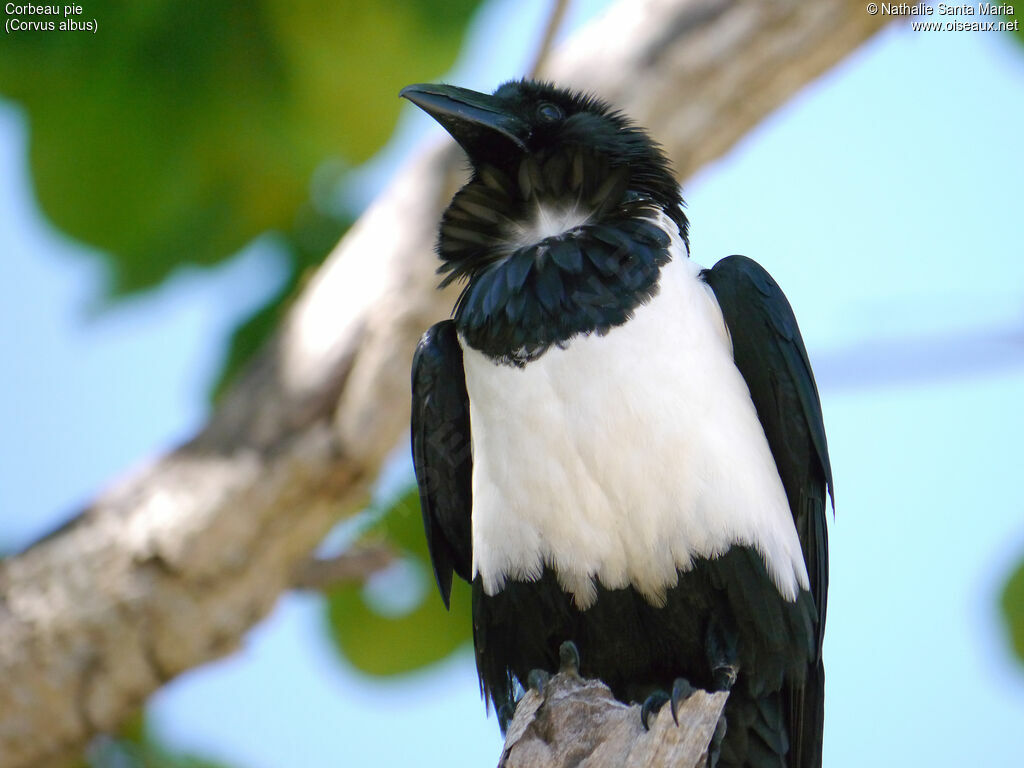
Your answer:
<point x="526" y="289"/>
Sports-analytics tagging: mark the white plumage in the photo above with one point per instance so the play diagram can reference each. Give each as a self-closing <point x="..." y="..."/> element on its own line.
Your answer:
<point x="622" y="457"/>
<point x="547" y="221"/>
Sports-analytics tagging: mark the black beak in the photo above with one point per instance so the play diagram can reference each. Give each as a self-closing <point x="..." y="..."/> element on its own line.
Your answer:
<point x="478" y="121"/>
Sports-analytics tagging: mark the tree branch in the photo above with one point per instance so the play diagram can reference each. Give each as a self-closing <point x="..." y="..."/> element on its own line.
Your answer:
<point x="168" y="568"/>
<point x="353" y="566"/>
<point x="577" y="723"/>
<point x="554" y="23"/>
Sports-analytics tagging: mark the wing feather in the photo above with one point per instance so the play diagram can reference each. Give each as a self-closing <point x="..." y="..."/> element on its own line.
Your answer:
<point x="442" y="452"/>
<point x="770" y="354"/>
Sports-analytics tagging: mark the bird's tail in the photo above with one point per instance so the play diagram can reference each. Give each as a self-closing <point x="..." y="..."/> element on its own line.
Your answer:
<point x="780" y="729"/>
<point x="807" y="718"/>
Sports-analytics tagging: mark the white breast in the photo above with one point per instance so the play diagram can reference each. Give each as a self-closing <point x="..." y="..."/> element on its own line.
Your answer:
<point x="623" y="457"/>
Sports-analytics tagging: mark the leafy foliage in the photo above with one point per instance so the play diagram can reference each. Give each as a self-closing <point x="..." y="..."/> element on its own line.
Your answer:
<point x="181" y="131"/>
<point x="381" y="644"/>
<point x="1013" y="609"/>
<point x="1012" y="598"/>
<point x="1018" y="17"/>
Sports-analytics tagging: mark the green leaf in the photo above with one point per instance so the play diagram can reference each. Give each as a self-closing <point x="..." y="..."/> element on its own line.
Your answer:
<point x="178" y="132"/>
<point x="1018" y="33"/>
<point x="381" y="644"/>
<point x="1012" y="601"/>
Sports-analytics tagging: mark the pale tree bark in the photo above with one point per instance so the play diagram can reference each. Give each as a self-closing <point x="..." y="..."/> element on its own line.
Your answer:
<point x="169" y="567"/>
<point x="576" y="723"/>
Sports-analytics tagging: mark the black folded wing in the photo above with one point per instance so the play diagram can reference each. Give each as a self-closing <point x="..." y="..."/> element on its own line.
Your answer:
<point x="442" y="452"/>
<point x="770" y="353"/>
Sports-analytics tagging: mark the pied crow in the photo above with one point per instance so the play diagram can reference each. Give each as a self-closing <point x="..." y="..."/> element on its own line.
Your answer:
<point x="617" y="448"/>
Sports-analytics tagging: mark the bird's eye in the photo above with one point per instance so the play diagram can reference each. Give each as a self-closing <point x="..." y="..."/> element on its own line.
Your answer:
<point x="549" y="113"/>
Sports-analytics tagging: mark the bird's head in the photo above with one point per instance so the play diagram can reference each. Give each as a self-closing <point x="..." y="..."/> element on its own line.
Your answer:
<point x="563" y="223"/>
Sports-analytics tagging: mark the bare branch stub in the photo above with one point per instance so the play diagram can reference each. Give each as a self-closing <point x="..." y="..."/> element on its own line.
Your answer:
<point x="554" y="23"/>
<point x="576" y="721"/>
<point x="353" y="566"/>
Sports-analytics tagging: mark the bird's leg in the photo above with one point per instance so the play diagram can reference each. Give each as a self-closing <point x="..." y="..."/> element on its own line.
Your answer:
<point x="722" y="657"/>
<point x="724" y="663"/>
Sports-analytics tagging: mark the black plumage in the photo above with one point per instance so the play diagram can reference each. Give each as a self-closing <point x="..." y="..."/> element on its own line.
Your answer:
<point x="442" y="452"/>
<point x="527" y="295"/>
<point x="522" y="300"/>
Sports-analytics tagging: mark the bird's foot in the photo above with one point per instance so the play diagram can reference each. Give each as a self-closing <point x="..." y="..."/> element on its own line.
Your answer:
<point x="537" y="679"/>
<point x="724" y="676"/>
<point x="569" y="658"/>
<point x="652" y="703"/>
<point x="568" y="663"/>
<point x="681" y="691"/>
<point x="725" y="667"/>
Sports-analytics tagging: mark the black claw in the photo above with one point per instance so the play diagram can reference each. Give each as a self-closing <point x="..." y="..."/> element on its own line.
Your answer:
<point x="537" y="679"/>
<point x="652" y="704"/>
<point x="681" y="691"/>
<point x="569" y="658"/>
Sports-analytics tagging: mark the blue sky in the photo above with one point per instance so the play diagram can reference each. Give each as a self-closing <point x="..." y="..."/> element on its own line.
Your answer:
<point x="885" y="199"/>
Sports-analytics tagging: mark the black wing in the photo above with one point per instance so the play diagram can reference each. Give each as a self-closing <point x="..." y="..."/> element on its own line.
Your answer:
<point x="442" y="453"/>
<point x="770" y="353"/>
